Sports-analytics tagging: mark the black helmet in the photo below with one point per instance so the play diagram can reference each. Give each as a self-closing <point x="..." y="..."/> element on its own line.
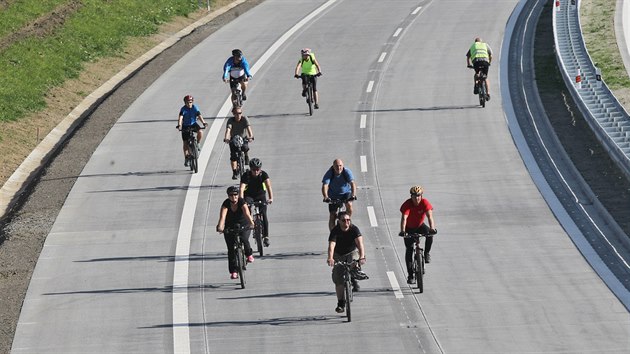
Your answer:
<point x="237" y="53"/>
<point x="255" y="163"/>
<point x="232" y="190"/>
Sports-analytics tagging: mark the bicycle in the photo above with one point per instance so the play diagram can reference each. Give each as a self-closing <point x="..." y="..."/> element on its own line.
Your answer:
<point x="310" y="93"/>
<point x="193" y="147"/>
<point x="239" y="143"/>
<point x="239" y="250"/>
<point x="481" y="86"/>
<point x="235" y="84"/>
<point x="340" y="204"/>
<point x="417" y="264"/>
<point x="351" y="270"/>
<point x="254" y="207"/>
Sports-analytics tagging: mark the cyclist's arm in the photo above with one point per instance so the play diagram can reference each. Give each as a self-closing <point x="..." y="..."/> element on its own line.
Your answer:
<point x="298" y="67"/>
<point x="180" y="120"/>
<point x="269" y="191"/>
<point x="250" y="132"/>
<point x="221" y="223"/>
<point x="431" y="220"/>
<point x="226" y="69"/>
<point x="241" y="191"/>
<point x="248" y="215"/>
<point x="359" y="243"/>
<point x="246" y="67"/>
<point x="228" y="131"/>
<point x="331" y="251"/>
<point x="353" y="188"/>
<point x="316" y="63"/>
<point x="325" y="190"/>
<point x="200" y="118"/>
<point x="403" y="222"/>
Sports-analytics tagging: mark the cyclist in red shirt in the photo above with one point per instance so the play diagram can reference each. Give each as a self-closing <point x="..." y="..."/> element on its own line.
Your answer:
<point x="413" y="211"/>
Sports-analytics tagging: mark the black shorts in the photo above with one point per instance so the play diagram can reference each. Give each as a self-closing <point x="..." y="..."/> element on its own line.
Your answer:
<point x="332" y="208"/>
<point x="481" y="66"/>
<point x="187" y="130"/>
<point x="312" y="79"/>
<point x="234" y="149"/>
<point x="234" y="82"/>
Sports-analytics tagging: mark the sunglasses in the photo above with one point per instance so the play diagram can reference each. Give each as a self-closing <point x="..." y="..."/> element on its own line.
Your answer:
<point x="345" y="220"/>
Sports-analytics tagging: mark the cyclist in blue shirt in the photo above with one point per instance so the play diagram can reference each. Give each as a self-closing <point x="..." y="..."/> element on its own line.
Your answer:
<point x="236" y="70"/>
<point x="187" y="123"/>
<point x="338" y="183"/>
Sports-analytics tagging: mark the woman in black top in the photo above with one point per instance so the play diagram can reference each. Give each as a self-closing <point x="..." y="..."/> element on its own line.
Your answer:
<point x="234" y="211"/>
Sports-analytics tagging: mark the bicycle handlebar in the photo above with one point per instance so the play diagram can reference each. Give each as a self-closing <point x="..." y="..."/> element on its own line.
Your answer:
<point x="339" y="201"/>
<point x="258" y="202"/>
<point x="235" y="230"/>
<point x="431" y="232"/>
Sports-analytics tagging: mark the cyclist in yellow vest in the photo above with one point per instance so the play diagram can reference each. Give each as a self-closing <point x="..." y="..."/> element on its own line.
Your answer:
<point x="481" y="56"/>
<point x="310" y="71"/>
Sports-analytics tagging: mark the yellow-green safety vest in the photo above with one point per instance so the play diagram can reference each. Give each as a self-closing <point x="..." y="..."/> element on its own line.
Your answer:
<point x="479" y="50"/>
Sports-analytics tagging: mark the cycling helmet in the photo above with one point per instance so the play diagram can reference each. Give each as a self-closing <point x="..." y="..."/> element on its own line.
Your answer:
<point x="306" y="51"/>
<point x="237" y="53"/>
<point x="188" y="98"/>
<point x="237" y="141"/>
<point x="232" y="190"/>
<point x="255" y="163"/>
<point x="415" y="190"/>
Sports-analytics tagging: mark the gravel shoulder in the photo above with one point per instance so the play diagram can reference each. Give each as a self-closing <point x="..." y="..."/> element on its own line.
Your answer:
<point x="28" y="226"/>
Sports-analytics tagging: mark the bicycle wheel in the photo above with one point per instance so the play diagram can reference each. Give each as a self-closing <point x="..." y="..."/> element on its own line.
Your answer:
<point x="258" y="231"/>
<point x="348" y="293"/>
<point x="482" y="94"/>
<point x="240" y="263"/>
<point x="241" y="165"/>
<point x="194" y="159"/>
<point x="419" y="269"/>
<point x="309" y="99"/>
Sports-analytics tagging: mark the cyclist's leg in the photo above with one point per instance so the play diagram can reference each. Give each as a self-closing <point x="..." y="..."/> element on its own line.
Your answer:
<point x="233" y="83"/>
<point x="229" y="242"/>
<point x="304" y="78"/>
<point x="263" y="212"/>
<point x="484" y="69"/>
<point x="409" y="255"/>
<point x="185" y="142"/>
<point x="245" y="239"/>
<point x="233" y="158"/>
<point x="349" y="208"/>
<point x="313" y="79"/>
<point x="199" y="134"/>
<point x="243" y="87"/>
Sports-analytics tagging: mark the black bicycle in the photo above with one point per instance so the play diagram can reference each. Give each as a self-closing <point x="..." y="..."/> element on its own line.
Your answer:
<point x="193" y="147"/>
<point x="340" y="204"/>
<point x="239" y="143"/>
<point x="254" y="209"/>
<point x="417" y="264"/>
<point x="237" y="100"/>
<point x="351" y="270"/>
<point x="481" y="87"/>
<point x="239" y="250"/>
<point x="310" y="93"/>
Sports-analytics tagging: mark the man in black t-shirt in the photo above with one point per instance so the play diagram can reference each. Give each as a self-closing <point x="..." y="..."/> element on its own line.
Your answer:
<point x="345" y="244"/>
<point x="255" y="186"/>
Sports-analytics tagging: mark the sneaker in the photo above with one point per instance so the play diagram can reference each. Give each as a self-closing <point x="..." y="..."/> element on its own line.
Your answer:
<point x="244" y="97"/>
<point x="303" y="93"/>
<point x="488" y="97"/>
<point x="250" y="259"/>
<point x="476" y="90"/>
<point x="234" y="275"/>
<point x="355" y="286"/>
<point x="316" y="106"/>
<point x="341" y="306"/>
<point x="186" y="163"/>
<point x="266" y="241"/>
<point x="427" y="258"/>
<point x="411" y="280"/>
<point x="234" y="174"/>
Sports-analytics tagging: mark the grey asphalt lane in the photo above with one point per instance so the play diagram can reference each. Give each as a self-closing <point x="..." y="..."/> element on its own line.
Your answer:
<point x="505" y="277"/>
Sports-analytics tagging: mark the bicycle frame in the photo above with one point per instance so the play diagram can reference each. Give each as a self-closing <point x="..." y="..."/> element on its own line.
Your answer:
<point x="254" y="208"/>
<point x="347" y="284"/>
<point x="239" y="250"/>
<point x="418" y="262"/>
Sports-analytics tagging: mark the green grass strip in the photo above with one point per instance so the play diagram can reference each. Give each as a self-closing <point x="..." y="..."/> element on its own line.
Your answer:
<point x="29" y="68"/>
<point x="597" y="19"/>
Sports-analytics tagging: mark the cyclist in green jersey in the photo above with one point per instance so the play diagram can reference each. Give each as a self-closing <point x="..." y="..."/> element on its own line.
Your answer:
<point x="308" y="69"/>
<point x="480" y="54"/>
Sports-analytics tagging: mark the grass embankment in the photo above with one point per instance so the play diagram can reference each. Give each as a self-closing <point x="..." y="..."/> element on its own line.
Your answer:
<point x="53" y="53"/>
<point x="31" y="65"/>
<point x="597" y="20"/>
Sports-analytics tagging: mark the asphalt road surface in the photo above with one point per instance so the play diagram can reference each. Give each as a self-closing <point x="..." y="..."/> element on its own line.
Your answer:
<point x="133" y="263"/>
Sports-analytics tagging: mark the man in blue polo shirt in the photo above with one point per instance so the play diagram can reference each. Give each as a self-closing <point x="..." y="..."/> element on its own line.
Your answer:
<point x="338" y="184"/>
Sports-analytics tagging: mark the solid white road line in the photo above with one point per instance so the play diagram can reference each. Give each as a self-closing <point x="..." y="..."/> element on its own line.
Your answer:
<point x="363" y="164"/>
<point x="397" y="32"/>
<point x="416" y="10"/>
<point x="382" y="57"/>
<point x="370" y="86"/>
<point x="395" y="286"/>
<point x="372" y="216"/>
<point x="363" y="121"/>
<point x="181" y="331"/>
